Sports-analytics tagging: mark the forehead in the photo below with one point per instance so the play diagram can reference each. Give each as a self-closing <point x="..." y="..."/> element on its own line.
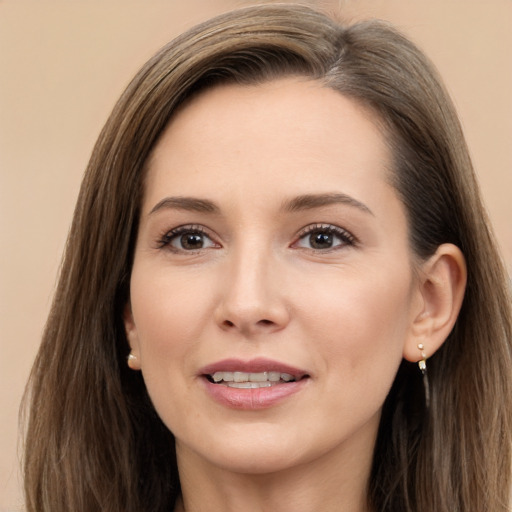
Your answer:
<point x="291" y="134"/>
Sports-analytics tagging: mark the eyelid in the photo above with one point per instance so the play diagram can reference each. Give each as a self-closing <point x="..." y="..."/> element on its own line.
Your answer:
<point x="346" y="236"/>
<point x="164" y="241"/>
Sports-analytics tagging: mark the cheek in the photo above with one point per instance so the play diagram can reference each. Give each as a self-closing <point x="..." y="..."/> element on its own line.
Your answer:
<point x="169" y="312"/>
<point x="167" y="319"/>
<point x="360" y="324"/>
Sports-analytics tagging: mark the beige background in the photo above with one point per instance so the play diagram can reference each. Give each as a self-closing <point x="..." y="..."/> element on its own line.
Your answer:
<point x="64" y="63"/>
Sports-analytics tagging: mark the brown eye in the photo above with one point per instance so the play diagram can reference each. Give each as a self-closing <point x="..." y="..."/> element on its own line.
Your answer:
<point x="187" y="238"/>
<point x="324" y="237"/>
<point x="321" y="240"/>
<point x="189" y="241"/>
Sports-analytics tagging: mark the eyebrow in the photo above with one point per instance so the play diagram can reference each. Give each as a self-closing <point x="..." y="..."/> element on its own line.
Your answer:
<point x="190" y="204"/>
<point x="299" y="203"/>
<point x="310" y="201"/>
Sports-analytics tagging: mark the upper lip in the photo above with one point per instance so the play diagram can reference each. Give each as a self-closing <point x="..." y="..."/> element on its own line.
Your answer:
<point x="257" y="365"/>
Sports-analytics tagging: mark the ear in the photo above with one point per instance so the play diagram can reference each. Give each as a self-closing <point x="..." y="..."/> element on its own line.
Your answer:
<point x="132" y="337"/>
<point x="442" y="283"/>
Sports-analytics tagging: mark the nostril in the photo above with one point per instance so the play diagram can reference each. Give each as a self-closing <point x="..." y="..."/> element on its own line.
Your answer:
<point x="263" y="325"/>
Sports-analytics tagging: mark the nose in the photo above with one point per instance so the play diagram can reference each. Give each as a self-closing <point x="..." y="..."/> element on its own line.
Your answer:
<point x="252" y="299"/>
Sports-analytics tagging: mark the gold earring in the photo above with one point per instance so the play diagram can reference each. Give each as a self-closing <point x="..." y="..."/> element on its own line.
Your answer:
<point x="131" y="361"/>
<point x="422" y="364"/>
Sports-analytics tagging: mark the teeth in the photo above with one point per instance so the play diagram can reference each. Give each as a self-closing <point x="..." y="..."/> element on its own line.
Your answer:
<point x="258" y="377"/>
<point x="274" y="376"/>
<point x="225" y="376"/>
<point x="244" y="380"/>
<point x="249" y="385"/>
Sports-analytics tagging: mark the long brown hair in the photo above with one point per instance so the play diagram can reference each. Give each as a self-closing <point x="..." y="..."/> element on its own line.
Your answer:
<point x="94" y="441"/>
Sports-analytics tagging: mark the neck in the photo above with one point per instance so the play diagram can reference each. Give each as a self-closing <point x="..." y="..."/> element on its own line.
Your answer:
<point x="336" y="481"/>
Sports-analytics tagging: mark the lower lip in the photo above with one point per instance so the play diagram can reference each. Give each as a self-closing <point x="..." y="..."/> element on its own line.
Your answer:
<point x="253" y="399"/>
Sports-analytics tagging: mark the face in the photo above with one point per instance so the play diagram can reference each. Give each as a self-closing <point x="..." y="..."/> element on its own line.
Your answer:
<point x="272" y="290"/>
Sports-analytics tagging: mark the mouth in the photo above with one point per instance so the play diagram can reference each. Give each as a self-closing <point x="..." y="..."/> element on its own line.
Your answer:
<point x="255" y="374"/>
<point x="252" y="385"/>
<point x="251" y="380"/>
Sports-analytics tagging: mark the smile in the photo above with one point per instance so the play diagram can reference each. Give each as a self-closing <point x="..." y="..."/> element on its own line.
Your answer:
<point x="251" y="385"/>
<point x="245" y="380"/>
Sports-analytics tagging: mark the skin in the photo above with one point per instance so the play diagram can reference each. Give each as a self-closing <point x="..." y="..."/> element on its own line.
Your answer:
<point x="256" y="285"/>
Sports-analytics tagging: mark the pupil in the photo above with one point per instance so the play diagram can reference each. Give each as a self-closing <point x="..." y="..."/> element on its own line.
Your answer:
<point x="321" y="240"/>
<point x="191" y="241"/>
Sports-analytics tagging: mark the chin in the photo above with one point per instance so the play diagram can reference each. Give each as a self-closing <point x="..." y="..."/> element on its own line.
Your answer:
<point x="260" y="450"/>
<point x="252" y="451"/>
<point x="258" y="460"/>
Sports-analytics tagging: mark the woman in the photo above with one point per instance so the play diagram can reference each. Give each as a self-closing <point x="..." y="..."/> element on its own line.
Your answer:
<point x="279" y="220"/>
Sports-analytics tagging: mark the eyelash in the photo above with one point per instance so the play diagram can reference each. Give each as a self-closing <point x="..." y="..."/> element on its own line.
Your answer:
<point x="347" y="239"/>
<point x="166" y="240"/>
